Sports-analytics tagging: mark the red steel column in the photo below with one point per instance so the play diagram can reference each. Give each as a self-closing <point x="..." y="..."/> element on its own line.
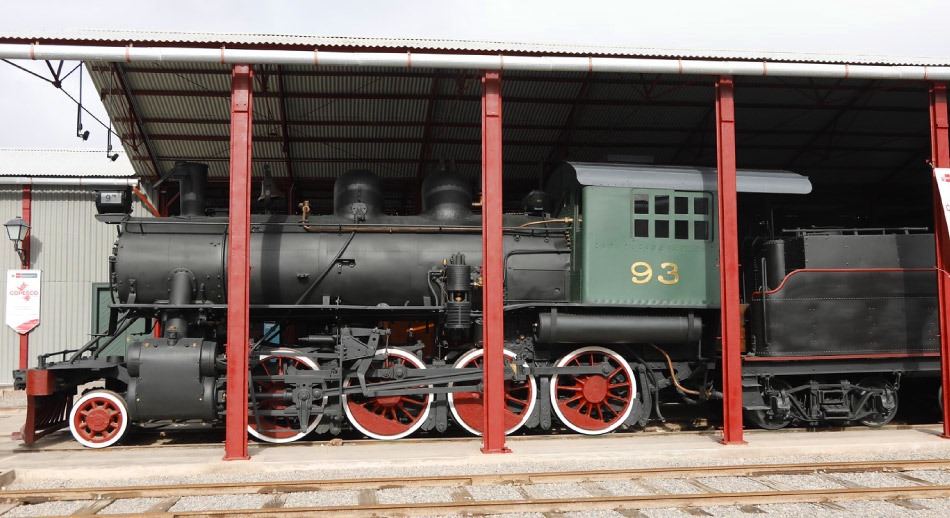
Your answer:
<point x="239" y="234"/>
<point x="493" y="266"/>
<point x="940" y="157"/>
<point x="728" y="262"/>
<point x="27" y="215"/>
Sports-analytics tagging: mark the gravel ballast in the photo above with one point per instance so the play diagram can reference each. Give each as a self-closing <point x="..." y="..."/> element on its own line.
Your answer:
<point x="219" y="502"/>
<point x="48" y="509"/>
<point x="131" y="506"/>
<point x="321" y="499"/>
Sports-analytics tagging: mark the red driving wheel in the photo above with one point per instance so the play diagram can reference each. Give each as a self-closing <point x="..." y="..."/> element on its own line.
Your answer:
<point x="468" y="408"/>
<point x="594" y="404"/>
<point x="275" y="429"/>
<point x="388" y="417"/>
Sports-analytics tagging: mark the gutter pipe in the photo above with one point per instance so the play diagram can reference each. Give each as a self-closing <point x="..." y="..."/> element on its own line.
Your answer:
<point x="68" y="181"/>
<point x="316" y="57"/>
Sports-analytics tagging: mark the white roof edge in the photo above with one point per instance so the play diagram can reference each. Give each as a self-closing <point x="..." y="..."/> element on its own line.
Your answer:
<point x="199" y="38"/>
<point x="688" y="178"/>
<point x="63" y="163"/>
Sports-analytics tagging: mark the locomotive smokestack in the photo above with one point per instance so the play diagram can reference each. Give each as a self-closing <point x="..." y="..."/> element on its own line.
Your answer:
<point x="192" y="181"/>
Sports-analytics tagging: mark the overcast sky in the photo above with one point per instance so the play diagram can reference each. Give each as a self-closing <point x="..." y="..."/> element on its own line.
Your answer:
<point x="36" y="115"/>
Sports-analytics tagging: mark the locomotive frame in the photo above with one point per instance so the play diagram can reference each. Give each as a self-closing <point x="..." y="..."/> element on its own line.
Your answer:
<point x="581" y="350"/>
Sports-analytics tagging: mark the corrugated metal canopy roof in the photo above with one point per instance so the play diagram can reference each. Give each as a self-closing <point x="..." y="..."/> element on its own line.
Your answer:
<point x="63" y="163"/>
<point x="311" y="124"/>
<point x="431" y="44"/>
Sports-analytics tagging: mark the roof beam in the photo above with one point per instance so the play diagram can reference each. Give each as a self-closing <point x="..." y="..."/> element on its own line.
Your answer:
<point x="284" y="128"/>
<point x="527" y="100"/>
<point x="413" y="161"/>
<point x="475" y="142"/>
<point x="134" y="112"/>
<point x="789" y="84"/>
<point x="833" y="121"/>
<point x="471" y="125"/>
<point x="426" y="146"/>
<point x="558" y="150"/>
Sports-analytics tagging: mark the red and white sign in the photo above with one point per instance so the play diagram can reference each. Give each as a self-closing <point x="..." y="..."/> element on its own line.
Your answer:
<point x="23" y="300"/>
<point x="942" y="174"/>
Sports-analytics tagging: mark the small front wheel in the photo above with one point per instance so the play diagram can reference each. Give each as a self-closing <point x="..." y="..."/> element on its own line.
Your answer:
<point x="99" y="419"/>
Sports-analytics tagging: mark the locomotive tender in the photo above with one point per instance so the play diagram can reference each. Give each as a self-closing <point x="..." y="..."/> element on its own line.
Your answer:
<point x="371" y="321"/>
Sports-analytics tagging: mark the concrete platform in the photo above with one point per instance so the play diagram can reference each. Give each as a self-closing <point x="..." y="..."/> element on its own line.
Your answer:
<point x="59" y="458"/>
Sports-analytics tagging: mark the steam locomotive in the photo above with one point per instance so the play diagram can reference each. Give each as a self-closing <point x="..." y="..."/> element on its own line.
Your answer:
<point x="372" y="322"/>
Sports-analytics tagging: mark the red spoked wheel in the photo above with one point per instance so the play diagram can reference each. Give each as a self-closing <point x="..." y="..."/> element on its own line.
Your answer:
<point x="99" y="419"/>
<point x="388" y="417"/>
<point x="594" y="404"/>
<point x="468" y="408"/>
<point x="279" y="429"/>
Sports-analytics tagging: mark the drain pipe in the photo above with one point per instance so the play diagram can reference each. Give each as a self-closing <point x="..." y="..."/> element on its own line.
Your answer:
<point x="67" y="181"/>
<point x="316" y="57"/>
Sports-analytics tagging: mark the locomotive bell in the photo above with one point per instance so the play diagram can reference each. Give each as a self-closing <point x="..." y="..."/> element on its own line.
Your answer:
<point x="537" y="202"/>
<point x="269" y="189"/>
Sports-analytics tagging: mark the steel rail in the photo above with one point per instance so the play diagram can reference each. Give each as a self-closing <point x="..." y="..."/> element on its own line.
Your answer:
<point x="293" y="486"/>
<point x="548" y="505"/>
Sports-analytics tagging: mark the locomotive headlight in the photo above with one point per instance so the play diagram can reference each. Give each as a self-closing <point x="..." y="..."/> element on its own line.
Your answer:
<point x="117" y="201"/>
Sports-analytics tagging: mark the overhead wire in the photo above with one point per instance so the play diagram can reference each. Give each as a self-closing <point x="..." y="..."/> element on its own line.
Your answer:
<point x="67" y="94"/>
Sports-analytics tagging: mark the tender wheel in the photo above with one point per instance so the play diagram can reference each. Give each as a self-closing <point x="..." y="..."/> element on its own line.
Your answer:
<point x="468" y="408"/>
<point x="882" y="407"/>
<point x="388" y="417"/>
<point x="762" y="419"/>
<point x="99" y="419"/>
<point x="594" y="404"/>
<point x="278" y="429"/>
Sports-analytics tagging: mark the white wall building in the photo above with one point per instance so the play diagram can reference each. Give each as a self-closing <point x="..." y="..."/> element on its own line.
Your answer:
<point x="68" y="245"/>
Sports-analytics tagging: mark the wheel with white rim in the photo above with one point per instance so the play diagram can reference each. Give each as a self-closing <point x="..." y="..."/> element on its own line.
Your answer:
<point x="279" y="429"/>
<point x="468" y="408"/>
<point x="594" y="404"/>
<point x="388" y="417"/>
<point x="99" y="419"/>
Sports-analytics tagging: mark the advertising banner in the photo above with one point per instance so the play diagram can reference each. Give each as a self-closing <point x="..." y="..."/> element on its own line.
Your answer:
<point x="23" y="300"/>
<point x="943" y="185"/>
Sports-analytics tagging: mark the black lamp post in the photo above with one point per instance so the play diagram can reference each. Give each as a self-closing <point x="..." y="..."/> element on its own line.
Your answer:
<point x="17" y="229"/>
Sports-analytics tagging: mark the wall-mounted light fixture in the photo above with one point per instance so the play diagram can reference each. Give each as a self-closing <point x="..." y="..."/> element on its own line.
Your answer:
<point x="17" y="229"/>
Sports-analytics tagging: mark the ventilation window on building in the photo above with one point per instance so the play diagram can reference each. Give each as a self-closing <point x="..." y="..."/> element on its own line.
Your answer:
<point x="700" y="230"/>
<point x="700" y="206"/>
<point x="682" y="229"/>
<point x="641" y="204"/>
<point x="682" y="205"/>
<point x="661" y="228"/>
<point x="641" y="228"/>
<point x="661" y="205"/>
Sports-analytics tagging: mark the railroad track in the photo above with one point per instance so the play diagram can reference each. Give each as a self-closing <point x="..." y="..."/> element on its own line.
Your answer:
<point x="460" y="494"/>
